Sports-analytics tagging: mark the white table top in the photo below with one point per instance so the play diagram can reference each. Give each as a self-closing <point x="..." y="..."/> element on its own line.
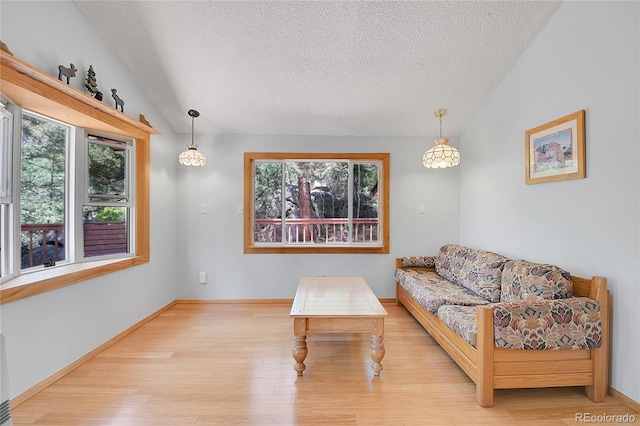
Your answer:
<point x="335" y="297"/>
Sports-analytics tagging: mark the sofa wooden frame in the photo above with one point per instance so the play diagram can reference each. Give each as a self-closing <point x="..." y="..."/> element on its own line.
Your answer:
<point x="493" y="368"/>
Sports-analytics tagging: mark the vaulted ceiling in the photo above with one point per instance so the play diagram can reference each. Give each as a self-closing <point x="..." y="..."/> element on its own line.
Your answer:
<point x="318" y="67"/>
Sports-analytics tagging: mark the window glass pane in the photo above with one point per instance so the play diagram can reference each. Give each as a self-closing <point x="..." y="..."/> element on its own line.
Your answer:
<point x="105" y="230"/>
<point x="317" y="202"/>
<point x="365" y="202"/>
<point x="42" y="194"/>
<point x="107" y="173"/>
<point x="268" y="202"/>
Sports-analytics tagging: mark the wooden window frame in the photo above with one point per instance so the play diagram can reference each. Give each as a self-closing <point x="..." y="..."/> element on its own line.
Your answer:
<point x="37" y="91"/>
<point x="251" y="248"/>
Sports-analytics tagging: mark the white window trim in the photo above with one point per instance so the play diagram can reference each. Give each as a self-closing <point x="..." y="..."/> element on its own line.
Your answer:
<point x="6" y="157"/>
<point x="127" y="144"/>
<point x="82" y="198"/>
<point x="8" y="261"/>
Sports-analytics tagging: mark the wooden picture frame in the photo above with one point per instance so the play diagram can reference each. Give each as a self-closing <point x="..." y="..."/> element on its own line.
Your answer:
<point x="556" y="150"/>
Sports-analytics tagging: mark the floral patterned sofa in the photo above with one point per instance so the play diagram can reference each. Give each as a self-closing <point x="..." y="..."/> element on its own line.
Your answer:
<point x="510" y="323"/>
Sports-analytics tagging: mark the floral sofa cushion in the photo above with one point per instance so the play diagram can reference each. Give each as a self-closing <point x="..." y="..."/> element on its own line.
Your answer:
<point x="432" y="291"/>
<point x="450" y="262"/>
<point x="462" y="320"/>
<point x="477" y="270"/>
<point x="572" y="323"/>
<point x="418" y="262"/>
<point x="523" y="280"/>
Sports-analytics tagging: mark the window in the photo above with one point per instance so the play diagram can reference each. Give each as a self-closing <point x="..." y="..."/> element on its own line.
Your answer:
<point x="109" y="197"/>
<point x="6" y="191"/>
<point x="316" y="203"/>
<point x="44" y="154"/>
<point x="52" y="170"/>
<point x="115" y="150"/>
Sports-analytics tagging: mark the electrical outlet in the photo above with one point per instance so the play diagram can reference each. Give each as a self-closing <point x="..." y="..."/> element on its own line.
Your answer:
<point x="203" y="277"/>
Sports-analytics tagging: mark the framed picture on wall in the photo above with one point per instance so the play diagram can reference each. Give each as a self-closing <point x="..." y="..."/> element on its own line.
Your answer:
<point x="556" y="150"/>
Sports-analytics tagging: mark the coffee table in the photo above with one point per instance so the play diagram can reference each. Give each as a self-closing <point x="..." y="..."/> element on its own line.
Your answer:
<point x="327" y="305"/>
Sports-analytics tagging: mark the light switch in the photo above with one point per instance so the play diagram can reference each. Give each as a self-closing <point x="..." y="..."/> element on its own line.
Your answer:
<point x="239" y="209"/>
<point x="205" y="208"/>
<point x="420" y="208"/>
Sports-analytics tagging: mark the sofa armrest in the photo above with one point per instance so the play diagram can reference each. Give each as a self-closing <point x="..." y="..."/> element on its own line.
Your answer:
<point x="416" y="262"/>
<point x="573" y="323"/>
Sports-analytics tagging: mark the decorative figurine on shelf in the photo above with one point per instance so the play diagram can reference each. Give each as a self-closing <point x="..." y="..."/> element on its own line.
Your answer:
<point x="144" y="120"/>
<point x="67" y="72"/>
<point x="92" y="85"/>
<point x="5" y="48"/>
<point x="117" y="99"/>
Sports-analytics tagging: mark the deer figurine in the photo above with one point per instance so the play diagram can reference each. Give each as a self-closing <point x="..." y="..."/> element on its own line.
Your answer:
<point x="117" y="99"/>
<point x="67" y="72"/>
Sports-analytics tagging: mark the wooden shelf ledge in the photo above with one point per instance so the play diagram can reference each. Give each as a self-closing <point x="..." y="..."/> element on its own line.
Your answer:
<point x="39" y="91"/>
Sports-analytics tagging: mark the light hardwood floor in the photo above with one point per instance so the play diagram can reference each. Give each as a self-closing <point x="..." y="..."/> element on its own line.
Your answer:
<point x="231" y="364"/>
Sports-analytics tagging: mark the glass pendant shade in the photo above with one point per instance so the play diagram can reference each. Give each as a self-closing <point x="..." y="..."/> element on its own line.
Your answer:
<point x="192" y="157"/>
<point x="441" y="155"/>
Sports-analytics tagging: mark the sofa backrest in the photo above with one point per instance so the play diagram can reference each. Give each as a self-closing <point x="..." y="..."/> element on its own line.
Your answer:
<point x="418" y="261"/>
<point x="476" y="270"/>
<point x="523" y="280"/>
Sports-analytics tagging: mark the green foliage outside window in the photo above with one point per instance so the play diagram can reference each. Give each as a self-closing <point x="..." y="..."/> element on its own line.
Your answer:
<point x="107" y="167"/>
<point x="43" y="164"/>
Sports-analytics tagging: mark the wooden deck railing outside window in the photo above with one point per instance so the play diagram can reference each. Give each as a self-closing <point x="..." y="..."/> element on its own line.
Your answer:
<point x="44" y="242"/>
<point x="38" y="237"/>
<point x="329" y="231"/>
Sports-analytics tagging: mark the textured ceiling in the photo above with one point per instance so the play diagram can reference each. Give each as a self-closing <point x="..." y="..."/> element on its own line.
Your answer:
<point x="318" y="68"/>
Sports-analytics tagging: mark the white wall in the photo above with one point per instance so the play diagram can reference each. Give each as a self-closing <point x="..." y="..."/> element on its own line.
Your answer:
<point x="47" y="332"/>
<point x="213" y="242"/>
<point x="585" y="58"/>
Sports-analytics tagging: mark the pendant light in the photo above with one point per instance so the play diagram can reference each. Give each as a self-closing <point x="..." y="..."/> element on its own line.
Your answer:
<point x="192" y="157"/>
<point x="441" y="155"/>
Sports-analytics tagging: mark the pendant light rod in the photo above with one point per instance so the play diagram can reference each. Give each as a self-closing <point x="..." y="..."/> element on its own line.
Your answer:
<point x="439" y="113"/>
<point x="194" y="114"/>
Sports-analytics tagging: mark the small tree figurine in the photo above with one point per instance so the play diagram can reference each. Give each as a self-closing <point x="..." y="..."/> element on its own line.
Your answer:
<point x="91" y="84"/>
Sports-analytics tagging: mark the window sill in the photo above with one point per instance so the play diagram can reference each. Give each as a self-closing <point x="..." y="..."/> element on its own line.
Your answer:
<point x="50" y="279"/>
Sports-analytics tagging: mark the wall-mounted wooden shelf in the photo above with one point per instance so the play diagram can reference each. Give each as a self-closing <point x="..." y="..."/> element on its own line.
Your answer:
<point x="40" y="92"/>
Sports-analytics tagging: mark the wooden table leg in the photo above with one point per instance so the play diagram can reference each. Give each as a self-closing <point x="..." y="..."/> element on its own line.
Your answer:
<point x="377" y="344"/>
<point x="300" y="350"/>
